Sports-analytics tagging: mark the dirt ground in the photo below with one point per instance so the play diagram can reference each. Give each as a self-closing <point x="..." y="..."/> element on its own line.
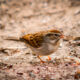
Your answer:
<point x="19" y="17"/>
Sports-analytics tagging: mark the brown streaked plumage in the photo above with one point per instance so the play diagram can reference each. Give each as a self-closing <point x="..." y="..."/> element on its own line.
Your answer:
<point x="44" y="42"/>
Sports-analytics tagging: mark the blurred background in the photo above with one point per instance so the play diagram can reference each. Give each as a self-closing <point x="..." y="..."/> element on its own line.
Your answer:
<point x="20" y="17"/>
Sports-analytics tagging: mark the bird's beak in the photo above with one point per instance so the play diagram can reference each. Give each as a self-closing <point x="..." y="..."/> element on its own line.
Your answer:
<point x="62" y="36"/>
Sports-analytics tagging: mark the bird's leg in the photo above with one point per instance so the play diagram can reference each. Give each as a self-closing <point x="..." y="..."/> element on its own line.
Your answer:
<point x="49" y="58"/>
<point x="40" y="59"/>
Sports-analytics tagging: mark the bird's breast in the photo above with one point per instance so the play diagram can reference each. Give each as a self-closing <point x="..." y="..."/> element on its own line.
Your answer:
<point x="45" y="49"/>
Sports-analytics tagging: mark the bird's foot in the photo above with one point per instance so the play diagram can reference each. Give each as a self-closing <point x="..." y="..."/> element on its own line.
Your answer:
<point x="41" y="59"/>
<point x="49" y="58"/>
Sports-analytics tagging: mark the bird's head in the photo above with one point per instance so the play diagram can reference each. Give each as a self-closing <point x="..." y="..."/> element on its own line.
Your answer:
<point x="53" y="35"/>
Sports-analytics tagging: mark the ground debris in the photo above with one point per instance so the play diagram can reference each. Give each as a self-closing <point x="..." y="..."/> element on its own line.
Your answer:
<point x="33" y="16"/>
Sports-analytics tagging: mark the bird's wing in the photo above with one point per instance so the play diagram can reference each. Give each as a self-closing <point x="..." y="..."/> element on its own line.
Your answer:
<point x="34" y="40"/>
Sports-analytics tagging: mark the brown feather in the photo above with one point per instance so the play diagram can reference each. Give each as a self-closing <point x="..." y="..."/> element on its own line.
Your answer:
<point x="36" y="39"/>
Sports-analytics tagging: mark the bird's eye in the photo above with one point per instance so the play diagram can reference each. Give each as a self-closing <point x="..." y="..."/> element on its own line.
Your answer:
<point x="56" y="34"/>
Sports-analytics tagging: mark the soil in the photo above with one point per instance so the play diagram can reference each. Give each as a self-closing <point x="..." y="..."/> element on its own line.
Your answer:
<point x="20" y="17"/>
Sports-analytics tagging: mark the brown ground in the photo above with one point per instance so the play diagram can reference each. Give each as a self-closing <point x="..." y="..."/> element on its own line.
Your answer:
<point x="16" y="16"/>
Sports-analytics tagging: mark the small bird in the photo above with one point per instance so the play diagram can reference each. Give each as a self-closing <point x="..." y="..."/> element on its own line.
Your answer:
<point x="43" y="43"/>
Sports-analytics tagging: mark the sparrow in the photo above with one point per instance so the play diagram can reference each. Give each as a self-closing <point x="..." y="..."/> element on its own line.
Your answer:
<point x="43" y="43"/>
